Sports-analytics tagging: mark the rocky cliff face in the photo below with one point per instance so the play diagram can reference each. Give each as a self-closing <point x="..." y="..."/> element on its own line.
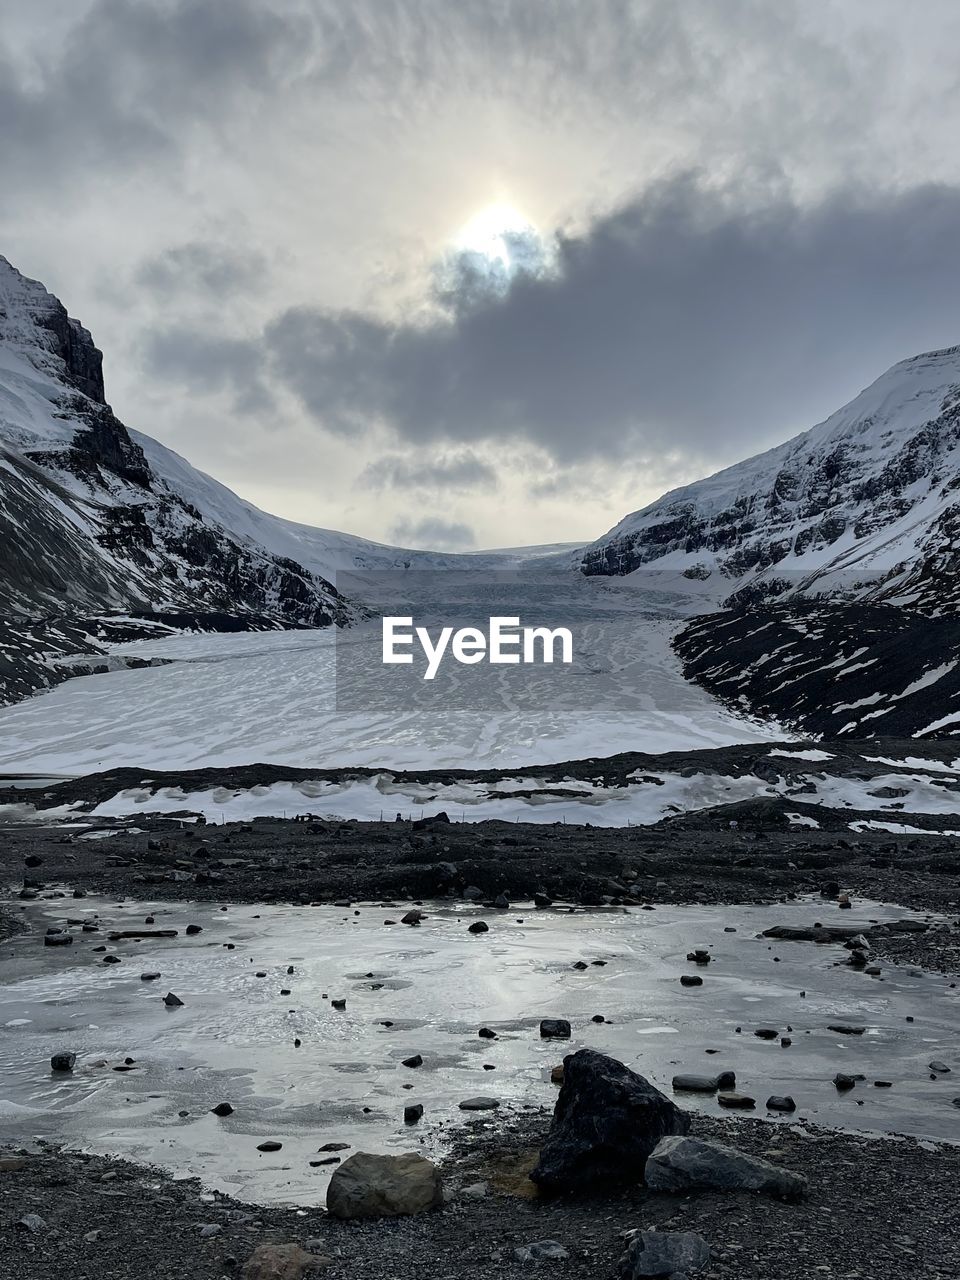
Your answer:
<point x="86" y="522"/>
<point x="867" y="504"/>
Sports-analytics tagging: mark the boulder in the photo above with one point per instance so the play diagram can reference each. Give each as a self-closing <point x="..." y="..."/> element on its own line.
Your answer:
<point x="606" y="1122"/>
<point x="555" y="1029"/>
<point x="664" y="1253"/>
<point x="373" y="1186"/>
<point x="280" y="1262"/>
<point x="63" y="1061"/>
<point x="691" y="1164"/>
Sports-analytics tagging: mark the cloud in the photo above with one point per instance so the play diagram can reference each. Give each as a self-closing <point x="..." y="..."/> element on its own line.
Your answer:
<point x="433" y="534"/>
<point x="132" y="76"/>
<point x="209" y="364"/>
<point x="683" y="320"/>
<point x="198" y="267"/>
<point x="451" y="472"/>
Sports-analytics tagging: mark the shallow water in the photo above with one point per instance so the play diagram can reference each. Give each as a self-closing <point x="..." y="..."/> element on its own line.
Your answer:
<point x="234" y="1038"/>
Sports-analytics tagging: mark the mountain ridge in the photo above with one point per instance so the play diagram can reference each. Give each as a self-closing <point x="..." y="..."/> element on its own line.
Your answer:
<point x="864" y="503"/>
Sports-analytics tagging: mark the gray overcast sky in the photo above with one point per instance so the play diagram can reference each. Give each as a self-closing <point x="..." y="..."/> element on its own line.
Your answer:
<point x="722" y="218"/>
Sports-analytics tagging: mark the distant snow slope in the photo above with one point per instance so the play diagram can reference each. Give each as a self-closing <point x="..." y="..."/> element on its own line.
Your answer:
<point x="865" y="502"/>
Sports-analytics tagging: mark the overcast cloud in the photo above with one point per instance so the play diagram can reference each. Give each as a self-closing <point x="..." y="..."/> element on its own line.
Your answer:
<point x="743" y="213"/>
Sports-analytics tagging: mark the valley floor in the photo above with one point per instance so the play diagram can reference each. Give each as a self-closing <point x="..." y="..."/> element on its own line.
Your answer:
<point x="877" y="1208"/>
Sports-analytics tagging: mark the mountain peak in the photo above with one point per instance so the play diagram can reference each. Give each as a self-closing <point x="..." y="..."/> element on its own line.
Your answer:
<point x="35" y="325"/>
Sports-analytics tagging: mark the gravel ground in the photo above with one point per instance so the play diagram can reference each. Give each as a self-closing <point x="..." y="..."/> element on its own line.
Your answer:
<point x="876" y="1209"/>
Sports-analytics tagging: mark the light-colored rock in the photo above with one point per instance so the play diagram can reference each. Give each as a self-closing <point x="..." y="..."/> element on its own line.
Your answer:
<point x="372" y="1186"/>
<point x="541" y="1250"/>
<point x="690" y="1164"/>
<point x="280" y="1262"/>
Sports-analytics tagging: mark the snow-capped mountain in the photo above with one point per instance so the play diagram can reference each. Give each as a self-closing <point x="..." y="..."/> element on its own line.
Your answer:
<point x="96" y="517"/>
<point x="866" y="503"/>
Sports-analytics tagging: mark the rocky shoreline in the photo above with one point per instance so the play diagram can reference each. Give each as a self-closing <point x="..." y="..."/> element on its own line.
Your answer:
<point x="289" y="861"/>
<point x="876" y="1209"/>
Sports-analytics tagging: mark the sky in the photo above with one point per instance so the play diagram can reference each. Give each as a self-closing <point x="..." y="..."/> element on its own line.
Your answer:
<point x="492" y="272"/>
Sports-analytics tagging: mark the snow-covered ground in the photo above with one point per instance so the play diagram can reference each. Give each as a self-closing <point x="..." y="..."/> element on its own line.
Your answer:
<point x="285" y="698"/>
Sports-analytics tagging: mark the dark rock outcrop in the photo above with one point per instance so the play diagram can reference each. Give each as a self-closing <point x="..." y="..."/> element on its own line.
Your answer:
<point x="607" y="1121"/>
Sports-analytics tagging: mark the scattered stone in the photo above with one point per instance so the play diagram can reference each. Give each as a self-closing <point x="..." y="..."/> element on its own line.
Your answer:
<point x="335" y="1146"/>
<point x="690" y="1164"/>
<point x="940" y="1068"/>
<point x="280" y="1262"/>
<point x="766" y="1033"/>
<point x="842" y="1029"/>
<point x="556" y="1074"/>
<point x="414" y="1061"/>
<point x="778" y="1103"/>
<point x="606" y="1121"/>
<point x="479" y="1104"/>
<point x="412" y="917"/>
<point x="32" y="1222"/>
<point x="554" y="1029"/>
<point x="413" y="1114"/>
<point x="843" y="1081"/>
<point x="56" y="939"/>
<point x="374" y="1186"/>
<point x="551" y="1250"/>
<point x="705" y="1084"/>
<point x="664" y="1253"/>
<point x="338" y="1004"/>
<point x="736" y="1101"/>
<point x="691" y="980"/>
<point x="63" y="1061"/>
<point x="486" y="1034"/>
<point x="222" y="1109"/>
<point x="478" y="926"/>
<point x="269" y="1145"/>
<point x="172" y="1001"/>
<point x="149" y="977"/>
<point x="193" y="929"/>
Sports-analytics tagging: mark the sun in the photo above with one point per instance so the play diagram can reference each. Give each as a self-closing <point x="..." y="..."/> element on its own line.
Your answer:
<point x="493" y="233"/>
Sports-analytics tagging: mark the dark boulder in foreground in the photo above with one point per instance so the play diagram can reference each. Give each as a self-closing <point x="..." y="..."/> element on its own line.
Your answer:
<point x="690" y="1164"/>
<point x="606" y="1122"/>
